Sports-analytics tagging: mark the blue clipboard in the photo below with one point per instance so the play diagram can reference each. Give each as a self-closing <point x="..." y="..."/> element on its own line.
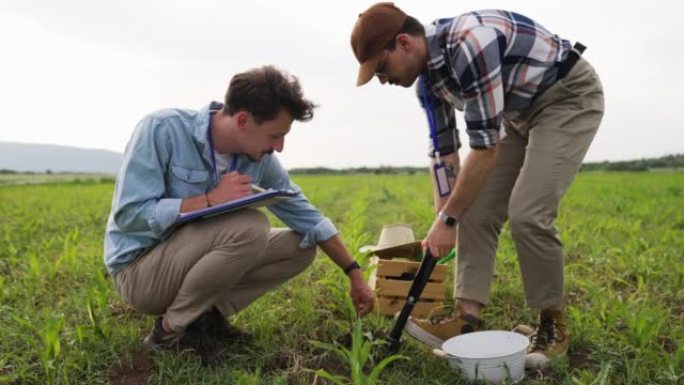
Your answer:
<point x="259" y="199"/>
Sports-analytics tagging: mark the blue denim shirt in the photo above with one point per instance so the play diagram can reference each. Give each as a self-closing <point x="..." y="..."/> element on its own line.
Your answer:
<point x="168" y="159"/>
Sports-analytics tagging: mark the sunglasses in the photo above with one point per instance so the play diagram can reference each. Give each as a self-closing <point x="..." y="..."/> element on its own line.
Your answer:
<point x="382" y="64"/>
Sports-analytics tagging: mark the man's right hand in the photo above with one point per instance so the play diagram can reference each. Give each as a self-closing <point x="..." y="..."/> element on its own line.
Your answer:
<point x="232" y="186"/>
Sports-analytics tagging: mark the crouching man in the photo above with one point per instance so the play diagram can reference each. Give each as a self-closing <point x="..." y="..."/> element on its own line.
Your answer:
<point x="181" y="160"/>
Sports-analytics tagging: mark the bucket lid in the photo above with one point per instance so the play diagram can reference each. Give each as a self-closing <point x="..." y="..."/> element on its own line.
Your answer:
<point x="485" y="344"/>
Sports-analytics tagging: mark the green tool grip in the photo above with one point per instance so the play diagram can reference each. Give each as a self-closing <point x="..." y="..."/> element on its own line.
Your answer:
<point x="447" y="257"/>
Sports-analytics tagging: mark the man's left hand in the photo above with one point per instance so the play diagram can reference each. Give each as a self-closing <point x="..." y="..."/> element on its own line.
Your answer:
<point x="361" y="294"/>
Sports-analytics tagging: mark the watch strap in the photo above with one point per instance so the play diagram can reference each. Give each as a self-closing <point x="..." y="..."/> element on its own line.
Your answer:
<point x="352" y="266"/>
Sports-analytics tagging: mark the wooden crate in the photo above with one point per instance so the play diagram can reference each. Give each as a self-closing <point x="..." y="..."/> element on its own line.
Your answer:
<point x="392" y="279"/>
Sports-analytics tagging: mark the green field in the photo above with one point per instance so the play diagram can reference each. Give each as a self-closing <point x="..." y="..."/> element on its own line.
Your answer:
<point x="62" y="321"/>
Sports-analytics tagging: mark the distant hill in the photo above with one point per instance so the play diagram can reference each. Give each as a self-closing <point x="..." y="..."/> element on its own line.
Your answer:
<point x="43" y="157"/>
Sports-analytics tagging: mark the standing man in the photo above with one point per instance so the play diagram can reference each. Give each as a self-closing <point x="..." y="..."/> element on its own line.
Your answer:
<point x="182" y="160"/>
<point x="532" y="106"/>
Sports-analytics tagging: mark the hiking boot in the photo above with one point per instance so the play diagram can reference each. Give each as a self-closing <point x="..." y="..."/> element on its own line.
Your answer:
<point x="549" y="340"/>
<point x="434" y="331"/>
<point x="210" y="333"/>
<point x="523" y="329"/>
<point x="213" y="325"/>
<point x="159" y="339"/>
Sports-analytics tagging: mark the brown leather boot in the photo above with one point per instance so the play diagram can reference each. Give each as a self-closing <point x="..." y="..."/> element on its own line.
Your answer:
<point x="435" y="330"/>
<point x="549" y="340"/>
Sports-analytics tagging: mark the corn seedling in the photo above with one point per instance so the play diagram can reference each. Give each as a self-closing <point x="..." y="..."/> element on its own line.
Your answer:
<point x="50" y="354"/>
<point x="357" y="357"/>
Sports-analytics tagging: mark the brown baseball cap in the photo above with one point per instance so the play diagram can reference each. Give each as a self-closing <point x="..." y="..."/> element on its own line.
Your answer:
<point x="373" y="30"/>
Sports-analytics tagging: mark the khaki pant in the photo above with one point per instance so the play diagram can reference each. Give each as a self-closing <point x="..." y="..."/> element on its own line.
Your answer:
<point x="226" y="261"/>
<point x="537" y="161"/>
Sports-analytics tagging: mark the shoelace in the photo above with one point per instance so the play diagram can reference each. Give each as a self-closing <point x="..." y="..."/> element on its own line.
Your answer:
<point x="438" y="319"/>
<point x="471" y="323"/>
<point x="546" y="334"/>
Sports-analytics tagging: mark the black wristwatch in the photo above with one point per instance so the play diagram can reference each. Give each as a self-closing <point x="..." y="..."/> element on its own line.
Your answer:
<point x="447" y="219"/>
<point x="352" y="266"/>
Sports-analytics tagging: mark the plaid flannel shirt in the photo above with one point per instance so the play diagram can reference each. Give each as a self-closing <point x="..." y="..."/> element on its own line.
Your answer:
<point x="486" y="64"/>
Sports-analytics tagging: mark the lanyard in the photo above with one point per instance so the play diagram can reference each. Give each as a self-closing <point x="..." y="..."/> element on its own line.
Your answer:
<point x="233" y="162"/>
<point x="426" y="95"/>
<point x="443" y="180"/>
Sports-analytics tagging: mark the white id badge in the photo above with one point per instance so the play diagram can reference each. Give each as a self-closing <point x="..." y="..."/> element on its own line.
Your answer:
<point x="442" y="179"/>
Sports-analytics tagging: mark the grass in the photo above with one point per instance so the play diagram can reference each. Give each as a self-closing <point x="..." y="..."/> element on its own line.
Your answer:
<point x="62" y="321"/>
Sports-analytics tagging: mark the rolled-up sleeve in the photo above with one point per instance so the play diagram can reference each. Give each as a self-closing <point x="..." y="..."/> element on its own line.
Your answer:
<point x="165" y="214"/>
<point x="297" y="212"/>
<point x="139" y="204"/>
<point x="476" y="61"/>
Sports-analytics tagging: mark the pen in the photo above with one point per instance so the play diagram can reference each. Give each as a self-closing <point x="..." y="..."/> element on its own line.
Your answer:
<point x="233" y="163"/>
<point x="257" y="189"/>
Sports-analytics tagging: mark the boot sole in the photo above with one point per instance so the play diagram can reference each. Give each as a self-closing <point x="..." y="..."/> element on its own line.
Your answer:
<point x="421" y="335"/>
<point x="150" y="346"/>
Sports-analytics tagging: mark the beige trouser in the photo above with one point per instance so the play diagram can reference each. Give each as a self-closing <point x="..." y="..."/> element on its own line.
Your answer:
<point x="537" y="161"/>
<point x="226" y="261"/>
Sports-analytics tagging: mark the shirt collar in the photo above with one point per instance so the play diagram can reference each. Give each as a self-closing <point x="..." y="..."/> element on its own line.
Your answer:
<point x="435" y="53"/>
<point x="202" y="122"/>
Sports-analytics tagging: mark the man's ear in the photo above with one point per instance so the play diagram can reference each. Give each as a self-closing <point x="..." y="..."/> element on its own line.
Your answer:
<point x="241" y="119"/>
<point x="403" y="41"/>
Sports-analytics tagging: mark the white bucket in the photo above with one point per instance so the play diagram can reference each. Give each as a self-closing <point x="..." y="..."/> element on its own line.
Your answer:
<point x="493" y="355"/>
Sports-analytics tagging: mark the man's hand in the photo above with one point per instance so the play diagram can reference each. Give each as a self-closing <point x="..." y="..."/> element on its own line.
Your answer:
<point x="232" y="186"/>
<point x="361" y="294"/>
<point x="441" y="239"/>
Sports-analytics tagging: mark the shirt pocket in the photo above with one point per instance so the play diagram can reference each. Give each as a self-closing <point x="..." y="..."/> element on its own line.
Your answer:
<point x="189" y="175"/>
<point x="184" y="182"/>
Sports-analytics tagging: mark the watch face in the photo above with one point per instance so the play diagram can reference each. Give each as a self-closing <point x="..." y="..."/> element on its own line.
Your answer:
<point x="449" y="221"/>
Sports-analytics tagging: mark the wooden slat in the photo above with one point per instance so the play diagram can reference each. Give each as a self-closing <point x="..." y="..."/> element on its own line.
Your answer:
<point x="398" y="288"/>
<point x="391" y="305"/>
<point x="396" y="268"/>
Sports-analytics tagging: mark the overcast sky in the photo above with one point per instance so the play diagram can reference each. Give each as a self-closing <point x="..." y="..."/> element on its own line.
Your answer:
<point x="83" y="72"/>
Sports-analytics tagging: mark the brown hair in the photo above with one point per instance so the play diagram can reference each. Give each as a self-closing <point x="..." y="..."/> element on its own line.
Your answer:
<point x="411" y="27"/>
<point x="264" y="91"/>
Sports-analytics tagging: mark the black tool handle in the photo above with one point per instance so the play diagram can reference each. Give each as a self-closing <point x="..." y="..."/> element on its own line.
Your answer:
<point x="419" y="282"/>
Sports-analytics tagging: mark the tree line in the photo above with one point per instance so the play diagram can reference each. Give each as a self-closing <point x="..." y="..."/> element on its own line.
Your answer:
<point x="644" y="164"/>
